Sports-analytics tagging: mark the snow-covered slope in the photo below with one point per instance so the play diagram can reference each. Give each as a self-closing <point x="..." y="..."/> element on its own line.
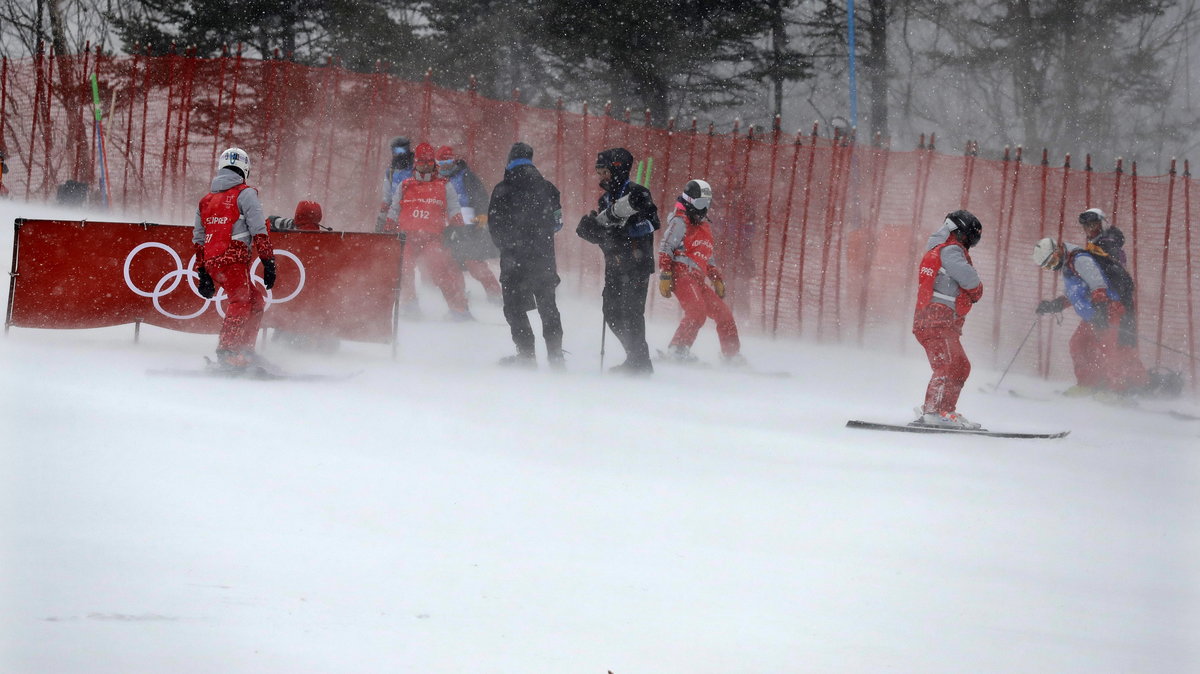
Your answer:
<point x="438" y="513"/>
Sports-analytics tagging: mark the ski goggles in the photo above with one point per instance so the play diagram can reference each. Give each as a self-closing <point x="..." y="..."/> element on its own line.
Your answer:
<point x="699" y="203"/>
<point x="1089" y="218"/>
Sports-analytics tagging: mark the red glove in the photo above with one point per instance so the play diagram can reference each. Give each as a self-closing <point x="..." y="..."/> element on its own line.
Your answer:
<point x="199" y="250"/>
<point x="975" y="293"/>
<point x="664" y="261"/>
<point x="457" y="220"/>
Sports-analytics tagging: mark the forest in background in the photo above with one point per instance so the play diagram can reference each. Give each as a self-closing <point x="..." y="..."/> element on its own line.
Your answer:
<point x="1106" y="77"/>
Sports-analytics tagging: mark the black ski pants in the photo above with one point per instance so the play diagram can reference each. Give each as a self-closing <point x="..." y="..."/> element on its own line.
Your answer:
<point x="523" y="292"/>
<point x="625" y="289"/>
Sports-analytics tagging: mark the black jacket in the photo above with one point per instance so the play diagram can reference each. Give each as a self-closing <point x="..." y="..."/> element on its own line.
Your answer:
<point x="524" y="214"/>
<point x="629" y="247"/>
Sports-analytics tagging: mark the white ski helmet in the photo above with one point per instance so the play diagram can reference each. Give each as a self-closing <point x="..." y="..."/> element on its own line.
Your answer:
<point x="1044" y="254"/>
<point x="235" y="157"/>
<point x="698" y="193"/>
<point x="1093" y="216"/>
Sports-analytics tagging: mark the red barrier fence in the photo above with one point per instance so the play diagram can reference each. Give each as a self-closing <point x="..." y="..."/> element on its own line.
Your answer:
<point x="97" y="274"/>
<point x="819" y="237"/>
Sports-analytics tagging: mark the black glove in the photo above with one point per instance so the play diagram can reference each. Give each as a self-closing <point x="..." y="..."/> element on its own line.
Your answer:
<point x="1100" y="316"/>
<point x="269" y="272"/>
<point x="589" y="228"/>
<point x="206" y="286"/>
<point x="640" y="200"/>
<point x="1127" y="336"/>
<point x="1053" y="306"/>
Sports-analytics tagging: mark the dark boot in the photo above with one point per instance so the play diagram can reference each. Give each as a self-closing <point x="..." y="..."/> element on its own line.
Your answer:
<point x="520" y="360"/>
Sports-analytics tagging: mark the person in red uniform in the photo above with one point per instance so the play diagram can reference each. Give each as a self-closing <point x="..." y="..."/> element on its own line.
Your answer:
<point x="307" y="219"/>
<point x="685" y="260"/>
<point x="1104" y="346"/>
<point x="229" y="232"/>
<point x="425" y="203"/>
<point x="947" y="287"/>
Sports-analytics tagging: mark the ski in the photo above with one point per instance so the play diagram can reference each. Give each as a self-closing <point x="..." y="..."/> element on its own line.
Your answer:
<point x="665" y="359"/>
<point x="921" y="428"/>
<point x="261" y="372"/>
<point x="1134" y="405"/>
<point x="256" y="373"/>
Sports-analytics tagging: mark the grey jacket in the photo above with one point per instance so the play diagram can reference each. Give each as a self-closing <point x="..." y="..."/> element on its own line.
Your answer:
<point x="955" y="272"/>
<point x="672" y="242"/>
<point x="252" y="221"/>
<point x="1087" y="269"/>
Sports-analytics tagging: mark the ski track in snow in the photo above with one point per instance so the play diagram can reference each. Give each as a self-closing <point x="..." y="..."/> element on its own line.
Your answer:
<point x="438" y="513"/>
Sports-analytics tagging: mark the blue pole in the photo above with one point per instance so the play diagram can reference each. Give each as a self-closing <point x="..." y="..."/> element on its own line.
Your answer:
<point x="853" y="78"/>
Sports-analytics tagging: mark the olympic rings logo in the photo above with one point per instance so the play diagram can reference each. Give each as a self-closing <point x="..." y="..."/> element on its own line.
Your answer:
<point x="171" y="280"/>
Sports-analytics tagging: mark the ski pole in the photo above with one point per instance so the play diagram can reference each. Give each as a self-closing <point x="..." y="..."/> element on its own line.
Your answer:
<point x="1160" y="344"/>
<point x="102" y="160"/>
<point x="396" y="298"/>
<point x="1014" y="358"/>
<point x="603" y="333"/>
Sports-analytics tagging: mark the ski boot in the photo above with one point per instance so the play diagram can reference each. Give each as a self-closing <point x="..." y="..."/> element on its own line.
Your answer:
<point x="681" y="354"/>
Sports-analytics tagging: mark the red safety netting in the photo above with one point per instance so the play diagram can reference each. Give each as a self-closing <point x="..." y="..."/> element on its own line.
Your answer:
<point x="818" y="237"/>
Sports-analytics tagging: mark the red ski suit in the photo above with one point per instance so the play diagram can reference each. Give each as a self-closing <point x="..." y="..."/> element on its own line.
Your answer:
<point x="690" y="263"/>
<point x="228" y="263"/>
<point x="938" y="327"/>
<point x="1100" y="359"/>
<point x="422" y="217"/>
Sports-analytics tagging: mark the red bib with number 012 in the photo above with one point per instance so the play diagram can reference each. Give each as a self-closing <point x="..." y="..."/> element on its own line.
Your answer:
<point x="423" y="205"/>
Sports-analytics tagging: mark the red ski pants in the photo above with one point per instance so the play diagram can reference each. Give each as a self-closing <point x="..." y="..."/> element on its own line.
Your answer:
<point x="700" y="302"/>
<point x="1101" y="361"/>
<point x="425" y="249"/>
<point x="480" y="271"/>
<point x="244" y="308"/>
<point x="950" y="366"/>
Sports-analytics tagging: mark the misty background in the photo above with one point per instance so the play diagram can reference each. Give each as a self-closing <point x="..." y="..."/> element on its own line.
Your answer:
<point x="1107" y="77"/>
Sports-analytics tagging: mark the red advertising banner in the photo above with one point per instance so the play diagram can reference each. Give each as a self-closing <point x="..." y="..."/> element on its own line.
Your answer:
<point x="81" y="274"/>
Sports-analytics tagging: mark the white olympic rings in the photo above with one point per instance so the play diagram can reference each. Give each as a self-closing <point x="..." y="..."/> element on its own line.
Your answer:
<point x="161" y="288"/>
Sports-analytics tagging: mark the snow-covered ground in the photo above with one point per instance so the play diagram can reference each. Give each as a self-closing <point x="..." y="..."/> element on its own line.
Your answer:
<point x="438" y="513"/>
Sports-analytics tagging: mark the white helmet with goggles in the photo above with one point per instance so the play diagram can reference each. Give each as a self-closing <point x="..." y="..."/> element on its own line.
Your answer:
<point x="698" y="195"/>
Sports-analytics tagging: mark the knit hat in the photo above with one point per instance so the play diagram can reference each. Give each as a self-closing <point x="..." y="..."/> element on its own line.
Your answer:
<point x="308" y="213"/>
<point x="424" y="152"/>
<point x="520" y="151"/>
<point x="445" y="153"/>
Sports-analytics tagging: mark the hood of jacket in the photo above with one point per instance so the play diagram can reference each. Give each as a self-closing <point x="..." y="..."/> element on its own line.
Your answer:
<point x="939" y="237"/>
<point x="225" y="179"/>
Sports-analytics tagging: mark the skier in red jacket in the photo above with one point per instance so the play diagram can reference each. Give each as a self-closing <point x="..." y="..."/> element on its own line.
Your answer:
<point x="229" y="224"/>
<point x="425" y="203"/>
<point x="947" y="287"/>
<point x="685" y="260"/>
